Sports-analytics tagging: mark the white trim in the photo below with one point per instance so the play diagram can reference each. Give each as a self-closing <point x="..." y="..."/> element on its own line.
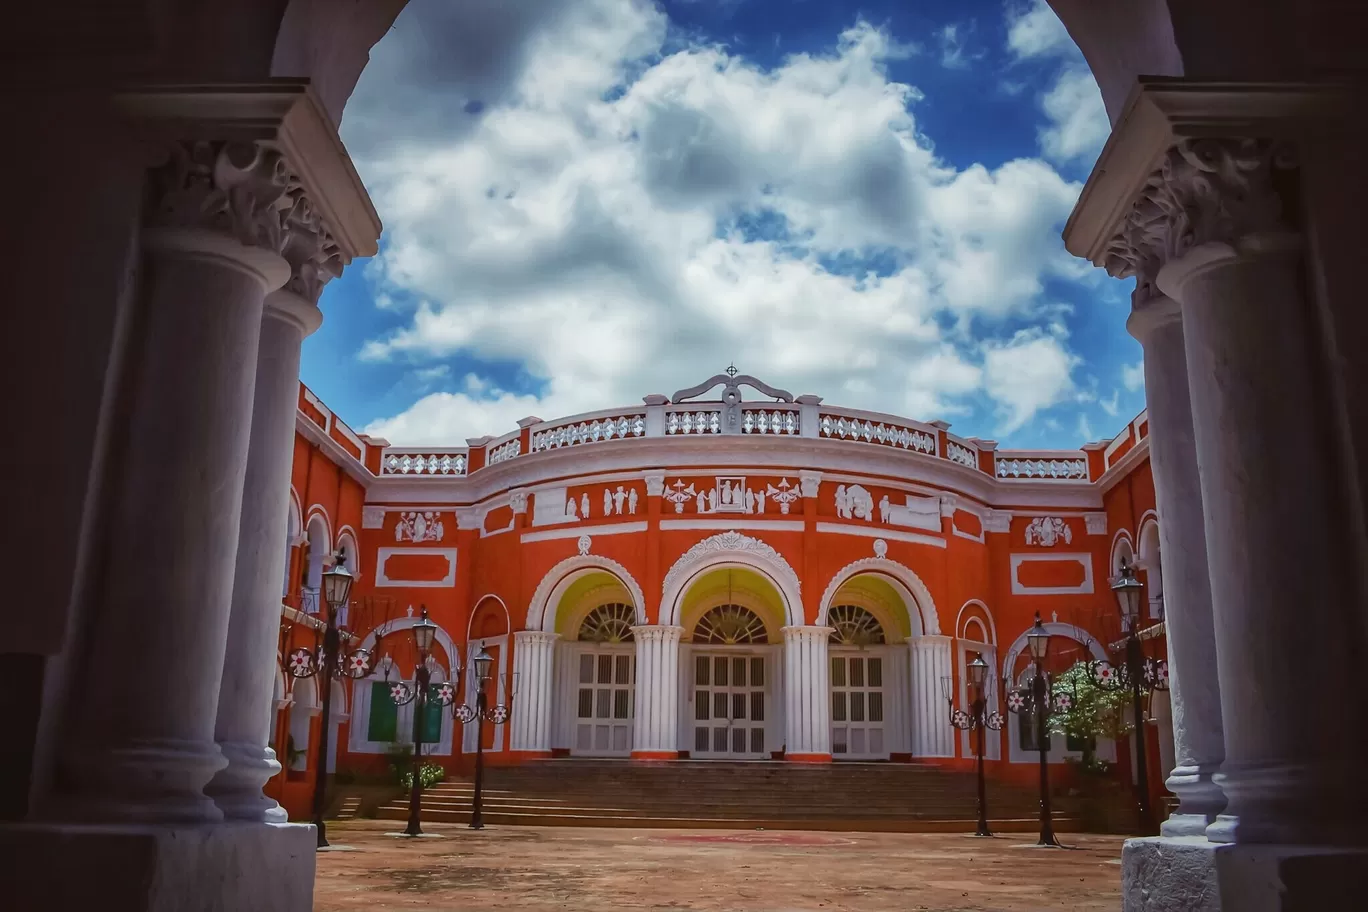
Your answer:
<point x="760" y="525"/>
<point x="1117" y="441"/>
<point x="1083" y="588"/>
<point x="992" y="625"/>
<point x="508" y="615"/>
<point x="383" y="581"/>
<point x="352" y="438"/>
<point x="499" y="696"/>
<point x="557" y="580"/>
<point x="1113" y="564"/>
<point x="879" y="532"/>
<point x="577" y="531"/>
<point x="731" y="550"/>
<point x="911" y="588"/>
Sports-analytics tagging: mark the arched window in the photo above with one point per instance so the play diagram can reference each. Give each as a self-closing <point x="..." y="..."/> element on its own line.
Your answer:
<point x="854" y="626"/>
<point x="611" y="623"/>
<point x="730" y="625"/>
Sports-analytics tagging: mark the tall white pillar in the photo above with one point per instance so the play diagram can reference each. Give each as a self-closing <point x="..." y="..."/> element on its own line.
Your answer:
<point x="246" y="695"/>
<point x="1195" y="690"/>
<point x="807" y="694"/>
<point x="656" y="724"/>
<point x="1278" y="586"/>
<point x="929" y="661"/>
<point x="143" y="714"/>
<point x="534" y="659"/>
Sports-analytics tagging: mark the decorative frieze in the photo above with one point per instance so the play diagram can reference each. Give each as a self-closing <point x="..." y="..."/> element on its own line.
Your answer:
<point x="774" y="421"/>
<point x="620" y="427"/>
<point x="841" y="428"/>
<point x="1066" y="469"/>
<point x="505" y="451"/>
<point x="1048" y="531"/>
<point x="699" y="422"/>
<point x="961" y="454"/>
<point x="423" y="464"/>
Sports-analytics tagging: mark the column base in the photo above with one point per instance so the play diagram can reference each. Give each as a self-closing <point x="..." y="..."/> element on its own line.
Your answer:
<point x="1191" y="874"/>
<point x="655" y="755"/>
<point x="807" y="758"/>
<point x="259" y="866"/>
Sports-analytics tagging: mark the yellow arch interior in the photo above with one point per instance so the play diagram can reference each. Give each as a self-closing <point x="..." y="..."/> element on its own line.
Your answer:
<point x="878" y="596"/>
<point x="740" y="586"/>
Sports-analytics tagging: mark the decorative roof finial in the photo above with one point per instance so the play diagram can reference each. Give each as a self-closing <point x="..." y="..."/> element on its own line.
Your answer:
<point x="731" y="369"/>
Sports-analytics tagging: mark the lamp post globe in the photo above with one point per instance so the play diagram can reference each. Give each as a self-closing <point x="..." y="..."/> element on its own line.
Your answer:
<point x="337" y="583"/>
<point x="978" y="672"/>
<point x="423" y="634"/>
<point x="1128" y="590"/>
<point x="482" y="661"/>
<point x="1039" y="641"/>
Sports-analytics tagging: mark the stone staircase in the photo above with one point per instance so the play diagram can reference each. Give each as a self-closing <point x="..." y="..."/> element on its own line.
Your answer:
<point x="889" y="797"/>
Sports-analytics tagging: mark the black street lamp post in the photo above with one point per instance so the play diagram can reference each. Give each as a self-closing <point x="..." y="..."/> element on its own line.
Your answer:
<point x="480" y="713"/>
<point x="1140" y="675"/>
<point x="979" y="719"/>
<point x="1038" y="702"/>
<point x="327" y="663"/>
<point x="423" y="633"/>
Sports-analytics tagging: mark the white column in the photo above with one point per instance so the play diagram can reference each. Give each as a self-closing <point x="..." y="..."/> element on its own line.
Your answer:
<point x="1289" y="658"/>
<point x="656" y="723"/>
<point x="807" y="693"/>
<point x="534" y="659"/>
<point x="141" y="716"/>
<point x="1195" y="689"/>
<point x="929" y="661"/>
<point x="246" y="695"/>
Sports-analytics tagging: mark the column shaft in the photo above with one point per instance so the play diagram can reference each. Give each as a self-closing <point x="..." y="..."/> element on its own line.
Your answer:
<point x="807" y="694"/>
<point x="1286" y="664"/>
<point x="656" y="723"/>
<point x="929" y="658"/>
<point x="246" y="695"/>
<point x="142" y="718"/>
<point x="1195" y="690"/>
<point x="533" y="661"/>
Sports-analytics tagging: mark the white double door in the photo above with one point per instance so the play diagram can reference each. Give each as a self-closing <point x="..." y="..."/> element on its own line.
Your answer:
<point x="857" y="704"/>
<point x="729" y="704"/>
<point x="605" y="679"/>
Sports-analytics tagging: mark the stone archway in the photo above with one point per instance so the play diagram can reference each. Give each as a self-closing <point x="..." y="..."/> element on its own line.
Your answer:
<point x="731" y="549"/>
<point x="545" y="603"/>
<point x="921" y="608"/>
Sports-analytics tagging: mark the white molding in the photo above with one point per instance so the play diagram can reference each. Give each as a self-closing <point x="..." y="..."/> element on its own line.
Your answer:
<point x="551" y="589"/>
<point x="884" y="533"/>
<point x="912" y="589"/>
<point x="383" y="581"/>
<point x="761" y="525"/>
<point x="1095" y="523"/>
<point x="335" y="453"/>
<point x="576" y="531"/>
<point x="992" y="623"/>
<point x="1084" y="588"/>
<point x="731" y="549"/>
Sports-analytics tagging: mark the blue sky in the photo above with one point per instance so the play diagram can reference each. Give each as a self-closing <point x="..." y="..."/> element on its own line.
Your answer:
<point x="586" y="201"/>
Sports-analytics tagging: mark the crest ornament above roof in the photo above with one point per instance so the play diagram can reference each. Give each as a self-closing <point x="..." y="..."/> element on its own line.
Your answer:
<point x="731" y="382"/>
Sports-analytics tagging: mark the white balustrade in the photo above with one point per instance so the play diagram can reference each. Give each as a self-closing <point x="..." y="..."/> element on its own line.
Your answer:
<point x="588" y="429"/>
<point x="1063" y="469"/>
<point x="442" y="462"/>
<point x="850" y="426"/>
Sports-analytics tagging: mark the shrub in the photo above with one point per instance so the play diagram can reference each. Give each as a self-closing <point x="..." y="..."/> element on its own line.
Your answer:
<point x="429" y="774"/>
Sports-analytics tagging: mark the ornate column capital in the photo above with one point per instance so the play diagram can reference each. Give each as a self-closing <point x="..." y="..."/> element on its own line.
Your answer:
<point x="810" y="483"/>
<point x="1192" y="162"/>
<point x="663" y="633"/>
<point x="518" y="501"/>
<point x="535" y="637"/>
<point x="806" y="631"/>
<point x="655" y="483"/>
<point x="258" y="163"/>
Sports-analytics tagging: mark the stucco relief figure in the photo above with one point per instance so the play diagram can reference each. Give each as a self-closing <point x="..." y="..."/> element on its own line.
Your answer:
<point x="570" y="512"/>
<point x="1048" y="531"/>
<point x="884" y="509"/>
<point x="419" y="527"/>
<point x="760" y="501"/>
<point x="619" y="498"/>
<point x="607" y="502"/>
<point x="632" y="501"/>
<point x="750" y="501"/>
<point x="854" y="502"/>
<point x="702" y="502"/>
<point x="584" y="505"/>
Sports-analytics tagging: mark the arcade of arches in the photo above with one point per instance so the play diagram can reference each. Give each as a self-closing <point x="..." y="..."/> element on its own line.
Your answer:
<point x="184" y="197"/>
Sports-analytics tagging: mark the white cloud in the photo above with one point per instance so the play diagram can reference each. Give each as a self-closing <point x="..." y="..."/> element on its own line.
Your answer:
<point x="1035" y="31"/>
<point x="1078" y="125"/>
<point x="1030" y="372"/>
<point x="1111" y="406"/>
<point x="1133" y="376"/>
<point x="952" y="48"/>
<point x="619" y="220"/>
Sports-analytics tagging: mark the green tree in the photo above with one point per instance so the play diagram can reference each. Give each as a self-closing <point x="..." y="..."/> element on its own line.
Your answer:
<point x="1094" y="712"/>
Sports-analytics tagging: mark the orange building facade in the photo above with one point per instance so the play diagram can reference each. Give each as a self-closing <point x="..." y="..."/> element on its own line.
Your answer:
<point x="709" y="577"/>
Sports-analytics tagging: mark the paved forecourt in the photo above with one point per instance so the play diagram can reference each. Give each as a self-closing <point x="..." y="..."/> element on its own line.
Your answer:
<point x="544" y="868"/>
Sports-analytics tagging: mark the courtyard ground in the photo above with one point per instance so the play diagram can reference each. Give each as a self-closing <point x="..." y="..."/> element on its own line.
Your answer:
<point x="546" y="868"/>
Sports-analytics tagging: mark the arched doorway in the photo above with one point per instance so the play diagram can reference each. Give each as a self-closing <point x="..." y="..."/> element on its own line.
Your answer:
<point x="859" y="657"/>
<point x="732" y="617"/>
<point x="603" y="659"/>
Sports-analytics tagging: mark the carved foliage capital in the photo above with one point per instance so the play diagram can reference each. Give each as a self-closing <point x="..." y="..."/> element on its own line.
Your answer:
<point x="1205" y="190"/>
<point x="246" y="191"/>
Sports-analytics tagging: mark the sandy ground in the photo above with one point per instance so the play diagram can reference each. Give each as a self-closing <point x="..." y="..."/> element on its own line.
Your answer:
<point x="545" y="868"/>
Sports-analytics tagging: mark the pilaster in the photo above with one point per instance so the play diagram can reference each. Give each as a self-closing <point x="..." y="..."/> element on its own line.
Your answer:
<point x="807" y="694"/>
<point x="929" y="661"/>
<point x="656" y="723"/>
<point x="533" y="665"/>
